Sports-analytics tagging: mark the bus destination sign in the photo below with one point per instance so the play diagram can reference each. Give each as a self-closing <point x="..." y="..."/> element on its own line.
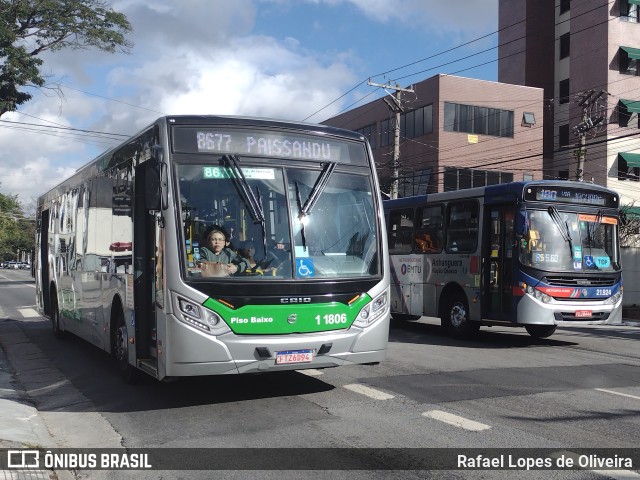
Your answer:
<point x="555" y="194"/>
<point x="269" y="143"/>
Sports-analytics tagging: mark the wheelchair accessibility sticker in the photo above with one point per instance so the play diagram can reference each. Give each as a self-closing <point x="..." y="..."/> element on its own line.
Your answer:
<point x="304" y="267"/>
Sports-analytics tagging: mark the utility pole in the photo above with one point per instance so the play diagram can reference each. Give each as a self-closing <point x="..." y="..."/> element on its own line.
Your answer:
<point x="588" y="122"/>
<point x="396" y="108"/>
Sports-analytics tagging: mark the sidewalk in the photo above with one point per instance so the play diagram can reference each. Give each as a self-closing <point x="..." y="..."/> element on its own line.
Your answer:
<point x="22" y="426"/>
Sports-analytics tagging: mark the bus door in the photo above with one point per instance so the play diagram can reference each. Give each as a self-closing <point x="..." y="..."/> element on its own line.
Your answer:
<point x="498" y="253"/>
<point x="145" y="255"/>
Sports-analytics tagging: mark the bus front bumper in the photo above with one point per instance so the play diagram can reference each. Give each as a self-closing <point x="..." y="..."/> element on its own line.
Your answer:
<point x="534" y="312"/>
<point x="190" y="352"/>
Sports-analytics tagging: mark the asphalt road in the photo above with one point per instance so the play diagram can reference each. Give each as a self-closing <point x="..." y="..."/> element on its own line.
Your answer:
<point x="502" y="390"/>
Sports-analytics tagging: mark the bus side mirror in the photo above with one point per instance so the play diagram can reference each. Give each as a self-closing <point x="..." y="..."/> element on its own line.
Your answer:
<point x="522" y="225"/>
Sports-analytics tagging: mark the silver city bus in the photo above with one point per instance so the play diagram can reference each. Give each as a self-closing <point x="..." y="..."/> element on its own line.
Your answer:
<point x="529" y="254"/>
<point x="126" y="249"/>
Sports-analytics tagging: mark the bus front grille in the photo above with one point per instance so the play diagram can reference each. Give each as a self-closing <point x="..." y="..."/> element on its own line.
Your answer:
<point x="569" y="281"/>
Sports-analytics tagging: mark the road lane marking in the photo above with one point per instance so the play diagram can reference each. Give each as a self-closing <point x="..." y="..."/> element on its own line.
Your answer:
<point x="367" y="391"/>
<point x="456" y="421"/>
<point x="28" y="312"/>
<point x="618" y="393"/>
<point x="311" y="372"/>
<point x="617" y="474"/>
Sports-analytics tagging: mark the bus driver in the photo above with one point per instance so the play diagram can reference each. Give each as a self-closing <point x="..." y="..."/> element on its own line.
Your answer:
<point x="218" y="260"/>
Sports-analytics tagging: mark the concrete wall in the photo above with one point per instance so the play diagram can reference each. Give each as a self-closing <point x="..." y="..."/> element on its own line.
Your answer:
<point x="630" y="257"/>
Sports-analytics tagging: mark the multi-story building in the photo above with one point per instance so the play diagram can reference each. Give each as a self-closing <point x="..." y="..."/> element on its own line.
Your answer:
<point x="584" y="55"/>
<point x="455" y="133"/>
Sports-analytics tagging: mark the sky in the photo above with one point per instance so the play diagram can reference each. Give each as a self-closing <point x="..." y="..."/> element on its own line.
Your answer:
<point x="301" y="60"/>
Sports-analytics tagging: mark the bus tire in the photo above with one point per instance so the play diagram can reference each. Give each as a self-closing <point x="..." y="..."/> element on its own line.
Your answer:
<point x="540" y="331"/>
<point x="55" y="317"/>
<point x="120" y="350"/>
<point x="455" y="317"/>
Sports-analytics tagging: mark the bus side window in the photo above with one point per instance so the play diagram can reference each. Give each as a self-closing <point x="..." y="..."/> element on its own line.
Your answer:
<point x="462" y="227"/>
<point x="428" y="237"/>
<point x="400" y="233"/>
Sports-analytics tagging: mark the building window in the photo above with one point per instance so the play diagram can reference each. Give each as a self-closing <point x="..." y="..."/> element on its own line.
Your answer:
<point x="629" y="11"/>
<point x="563" y="91"/>
<point x="459" y="178"/>
<point x="563" y="175"/>
<point x="563" y="135"/>
<point x="370" y="133"/>
<point x="565" y="5"/>
<point x="528" y="119"/>
<point x="565" y="45"/>
<point x="478" y="120"/>
<point x="629" y="166"/>
<point x="626" y="109"/>
<point x="417" y="123"/>
<point x="386" y="132"/>
<point x="415" y="183"/>
<point x="527" y="177"/>
<point x="629" y="60"/>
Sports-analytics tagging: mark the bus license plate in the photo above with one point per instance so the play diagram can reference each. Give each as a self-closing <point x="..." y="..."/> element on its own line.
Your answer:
<point x="583" y="314"/>
<point x="294" y="356"/>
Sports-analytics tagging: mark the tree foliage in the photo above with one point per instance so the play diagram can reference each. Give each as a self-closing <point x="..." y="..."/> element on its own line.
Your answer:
<point x="30" y="27"/>
<point x="17" y="233"/>
<point x="629" y="227"/>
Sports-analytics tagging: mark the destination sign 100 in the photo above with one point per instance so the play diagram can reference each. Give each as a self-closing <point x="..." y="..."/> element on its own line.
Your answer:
<point x="571" y="195"/>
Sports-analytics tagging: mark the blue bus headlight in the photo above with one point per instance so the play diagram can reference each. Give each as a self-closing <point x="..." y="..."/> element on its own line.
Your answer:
<point x="373" y="310"/>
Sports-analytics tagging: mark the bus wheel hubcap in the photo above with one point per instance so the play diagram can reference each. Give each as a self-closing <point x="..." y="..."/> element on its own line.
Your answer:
<point x="458" y="315"/>
<point x="121" y="343"/>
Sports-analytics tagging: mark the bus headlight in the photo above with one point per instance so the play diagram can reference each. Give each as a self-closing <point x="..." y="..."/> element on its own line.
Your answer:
<point x="201" y="318"/>
<point x="373" y="310"/>
<point x="615" y="298"/>
<point x="538" y="295"/>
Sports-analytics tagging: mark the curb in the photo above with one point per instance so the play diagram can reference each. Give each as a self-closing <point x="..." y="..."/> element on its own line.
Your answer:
<point x="21" y="424"/>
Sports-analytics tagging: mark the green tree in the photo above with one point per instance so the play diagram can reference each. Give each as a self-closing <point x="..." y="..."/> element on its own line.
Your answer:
<point x="629" y="226"/>
<point x="29" y="27"/>
<point x="17" y="232"/>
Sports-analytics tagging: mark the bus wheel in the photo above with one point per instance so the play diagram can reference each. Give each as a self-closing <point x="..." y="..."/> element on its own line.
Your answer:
<point x="121" y="351"/>
<point x="55" y="318"/>
<point x="455" y="318"/>
<point x="540" y="331"/>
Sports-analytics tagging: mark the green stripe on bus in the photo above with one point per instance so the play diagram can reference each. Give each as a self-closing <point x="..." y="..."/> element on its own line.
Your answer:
<point x="287" y="319"/>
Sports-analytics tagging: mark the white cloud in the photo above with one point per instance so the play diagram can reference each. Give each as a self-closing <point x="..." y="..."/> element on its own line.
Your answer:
<point x="200" y="57"/>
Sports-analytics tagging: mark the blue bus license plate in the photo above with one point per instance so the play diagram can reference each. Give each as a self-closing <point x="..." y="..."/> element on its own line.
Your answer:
<point x="294" y="356"/>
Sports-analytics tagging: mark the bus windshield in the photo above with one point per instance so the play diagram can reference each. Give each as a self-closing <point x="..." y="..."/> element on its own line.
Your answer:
<point x="569" y="242"/>
<point x="269" y="234"/>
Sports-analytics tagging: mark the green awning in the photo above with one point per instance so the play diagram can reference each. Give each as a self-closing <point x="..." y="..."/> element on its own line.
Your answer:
<point x="632" y="52"/>
<point x="635" y="211"/>
<point x="632" y="159"/>
<point x="635" y="2"/>
<point x="632" y="106"/>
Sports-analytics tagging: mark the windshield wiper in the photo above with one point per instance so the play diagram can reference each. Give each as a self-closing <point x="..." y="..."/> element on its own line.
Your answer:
<point x="563" y="227"/>
<point x="314" y="195"/>
<point x="253" y="204"/>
